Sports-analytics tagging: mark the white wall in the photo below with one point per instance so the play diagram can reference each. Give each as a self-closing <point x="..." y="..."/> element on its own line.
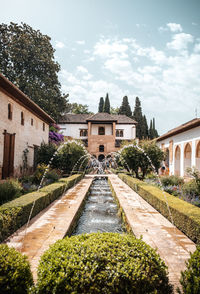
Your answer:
<point x="72" y="130"/>
<point x="108" y="129"/>
<point x="129" y="131"/>
<point x="181" y="139"/>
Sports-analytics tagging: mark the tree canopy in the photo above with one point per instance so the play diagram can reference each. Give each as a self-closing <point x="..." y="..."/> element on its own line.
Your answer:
<point x="27" y="60"/>
<point x="125" y="107"/>
<point x="137" y="115"/>
<point x="106" y="107"/>
<point x="101" y="104"/>
<point x="78" y="108"/>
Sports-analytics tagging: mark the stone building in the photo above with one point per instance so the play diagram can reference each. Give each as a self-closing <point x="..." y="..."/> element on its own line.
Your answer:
<point x="182" y="146"/>
<point x="23" y="126"/>
<point x="102" y="133"/>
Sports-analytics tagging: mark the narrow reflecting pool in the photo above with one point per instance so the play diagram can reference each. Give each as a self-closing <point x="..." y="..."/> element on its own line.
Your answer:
<point x="100" y="213"/>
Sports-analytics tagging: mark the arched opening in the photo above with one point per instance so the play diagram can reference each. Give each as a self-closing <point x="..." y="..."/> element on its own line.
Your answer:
<point x="177" y="161"/>
<point x="101" y="157"/>
<point x="187" y="157"/>
<point x="198" y="156"/>
<point x="101" y="148"/>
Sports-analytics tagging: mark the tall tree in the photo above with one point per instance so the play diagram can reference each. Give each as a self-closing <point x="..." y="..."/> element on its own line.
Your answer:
<point x="101" y="104"/>
<point x="137" y="115"/>
<point x="78" y="108"/>
<point x="155" y="133"/>
<point x="27" y="60"/>
<point x="106" y="107"/>
<point x="151" y="135"/>
<point x="145" y="128"/>
<point x="125" y="107"/>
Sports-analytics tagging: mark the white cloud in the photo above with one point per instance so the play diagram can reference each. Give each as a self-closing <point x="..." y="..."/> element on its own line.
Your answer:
<point x="174" y="27"/>
<point x="180" y="41"/>
<point x="81" y="42"/>
<point x="82" y="69"/>
<point x="107" y="48"/>
<point x="59" y="45"/>
<point x="197" y="48"/>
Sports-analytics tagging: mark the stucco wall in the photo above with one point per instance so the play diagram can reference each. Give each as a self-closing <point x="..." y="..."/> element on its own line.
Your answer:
<point x="72" y="130"/>
<point x="192" y="137"/>
<point x="26" y="135"/>
<point x="129" y="131"/>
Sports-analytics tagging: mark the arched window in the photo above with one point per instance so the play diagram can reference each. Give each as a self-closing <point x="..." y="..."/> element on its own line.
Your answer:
<point x="22" y="118"/>
<point x="198" y="156"/>
<point x="9" y="111"/>
<point x="187" y="157"/>
<point x="117" y="133"/>
<point x="101" y="131"/>
<point x="101" y="148"/>
<point x="121" y="133"/>
<point x="177" y="160"/>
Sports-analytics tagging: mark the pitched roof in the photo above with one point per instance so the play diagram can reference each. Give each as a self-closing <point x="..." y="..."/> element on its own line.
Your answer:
<point x="98" y="117"/>
<point x="17" y="95"/>
<point x="180" y="129"/>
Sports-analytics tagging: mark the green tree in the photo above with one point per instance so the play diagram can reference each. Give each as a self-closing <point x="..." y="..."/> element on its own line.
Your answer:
<point x="151" y="130"/>
<point x="106" y="107"/>
<point x="137" y="115"/>
<point x="101" y="104"/>
<point x="125" y="107"/>
<point x="114" y="110"/>
<point x="78" y="108"/>
<point x="145" y="128"/>
<point x="137" y="159"/>
<point x="155" y="133"/>
<point x="27" y="60"/>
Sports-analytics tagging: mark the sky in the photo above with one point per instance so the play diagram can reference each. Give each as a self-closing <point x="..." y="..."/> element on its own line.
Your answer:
<point x="139" y="48"/>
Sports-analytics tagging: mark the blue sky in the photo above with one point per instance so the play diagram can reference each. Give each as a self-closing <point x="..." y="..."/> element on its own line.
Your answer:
<point x="144" y="48"/>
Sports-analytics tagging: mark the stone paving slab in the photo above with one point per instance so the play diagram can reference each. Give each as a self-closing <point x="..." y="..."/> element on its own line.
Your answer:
<point x="49" y="225"/>
<point x="173" y="246"/>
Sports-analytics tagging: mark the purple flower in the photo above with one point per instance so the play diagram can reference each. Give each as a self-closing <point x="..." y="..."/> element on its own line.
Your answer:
<point x="55" y="137"/>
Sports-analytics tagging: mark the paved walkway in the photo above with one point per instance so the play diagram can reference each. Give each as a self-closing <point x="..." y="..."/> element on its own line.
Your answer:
<point x="56" y="221"/>
<point x="172" y="245"/>
<point x="51" y="224"/>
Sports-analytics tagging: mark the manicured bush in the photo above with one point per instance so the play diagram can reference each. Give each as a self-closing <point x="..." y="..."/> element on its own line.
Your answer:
<point x="190" y="278"/>
<point x="15" y="273"/>
<point x="15" y="213"/>
<point x="186" y="216"/>
<point x="9" y="190"/>
<point x="102" y="263"/>
<point x="172" y="181"/>
<point x="190" y="189"/>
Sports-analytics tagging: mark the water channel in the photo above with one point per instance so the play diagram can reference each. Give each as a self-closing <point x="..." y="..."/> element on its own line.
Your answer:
<point x="100" y="213"/>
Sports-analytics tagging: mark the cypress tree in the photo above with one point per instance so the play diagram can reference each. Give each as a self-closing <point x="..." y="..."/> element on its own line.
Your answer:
<point x="101" y="104"/>
<point x="155" y="133"/>
<point x="145" y="126"/>
<point x="151" y="130"/>
<point x="125" y="107"/>
<point x="106" y="107"/>
<point x="137" y="115"/>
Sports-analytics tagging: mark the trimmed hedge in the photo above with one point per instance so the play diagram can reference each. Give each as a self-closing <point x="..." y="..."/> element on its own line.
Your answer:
<point x="15" y="213"/>
<point x="15" y="272"/>
<point x="186" y="216"/>
<point x="102" y="263"/>
<point x="190" y="278"/>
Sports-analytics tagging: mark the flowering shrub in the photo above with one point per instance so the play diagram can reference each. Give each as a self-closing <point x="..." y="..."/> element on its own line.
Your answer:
<point x="55" y="137"/>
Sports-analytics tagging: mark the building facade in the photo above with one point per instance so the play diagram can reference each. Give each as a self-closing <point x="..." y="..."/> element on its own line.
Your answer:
<point x="102" y="133"/>
<point x="23" y="127"/>
<point x="182" y="146"/>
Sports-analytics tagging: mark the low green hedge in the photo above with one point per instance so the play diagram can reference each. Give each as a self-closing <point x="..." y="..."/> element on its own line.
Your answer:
<point x="15" y="213"/>
<point x="104" y="263"/>
<point x="185" y="216"/>
<point x="15" y="272"/>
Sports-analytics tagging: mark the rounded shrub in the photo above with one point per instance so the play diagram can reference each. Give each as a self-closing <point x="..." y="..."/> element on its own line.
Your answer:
<point x="9" y="190"/>
<point x="190" y="278"/>
<point x="102" y="263"/>
<point x="15" y="273"/>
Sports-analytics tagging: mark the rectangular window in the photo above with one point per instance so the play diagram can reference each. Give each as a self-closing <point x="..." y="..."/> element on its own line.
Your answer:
<point x="22" y="118"/>
<point x="43" y="126"/>
<point x="101" y="131"/>
<point x="83" y="133"/>
<point x="32" y="121"/>
<point x="9" y="111"/>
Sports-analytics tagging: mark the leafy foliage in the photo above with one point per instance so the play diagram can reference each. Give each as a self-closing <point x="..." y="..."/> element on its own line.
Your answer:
<point x="145" y="158"/>
<point x="9" y="190"/>
<point x="27" y="60"/>
<point x="190" y="278"/>
<point x="102" y="263"/>
<point x="106" y="107"/>
<point x="172" y="180"/>
<point x="125" y="107"/>
<point x="15" y="273"/>
<point x="78" y="108"/>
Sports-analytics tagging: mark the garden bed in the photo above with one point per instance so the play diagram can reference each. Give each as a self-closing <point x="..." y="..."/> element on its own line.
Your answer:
<point x="185" y="216"/>
<point x="15" y="213"/>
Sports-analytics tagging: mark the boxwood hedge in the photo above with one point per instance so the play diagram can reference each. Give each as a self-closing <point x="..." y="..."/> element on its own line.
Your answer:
<point x="190" y="278"/>
<point x="186" y="216"/>
<point x="15" y="213"/>
<point x="102" y="263"/>
<point x="15" y="273"/>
